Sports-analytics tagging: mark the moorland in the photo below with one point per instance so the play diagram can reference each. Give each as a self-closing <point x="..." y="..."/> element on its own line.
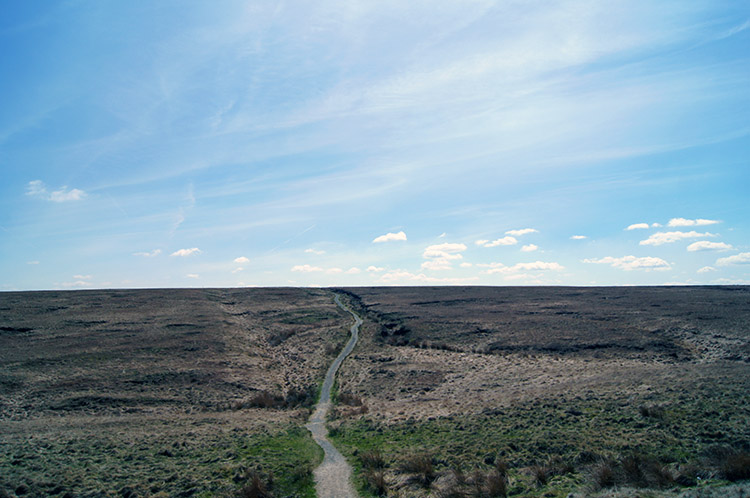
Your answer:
<point x="161" y="392"/>
<point x="451" y="391"/>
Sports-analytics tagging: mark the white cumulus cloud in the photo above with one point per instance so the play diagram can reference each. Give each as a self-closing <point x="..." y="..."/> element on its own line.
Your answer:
<point x="375" y="269"/>
<point x="742" y="258"/>
<point x="505" y="241"/>
<point x="437" y="264"/>
<point x="706" y="269"/>
<point x="578" y="237"/>
<point x="314" y="251"/>
<point x="241" y="260"/>
<point x="637" y="226"/>
<point x="186" y="252"/>
<point x="520" y="232"/>
<point x="632" y="263"/>
<point x="682" y="222"/>
<point x="192" y="275"/>
<point x="705" y="245"/>
<point x="306" y="268"/>
<point x="660" y="238"/>
<point x="447" y="250"/>
<point x="439" y="256"/>
<point x="519" y="267"/>
<point x="530" y="248"/>
<point x="64" y="195"/>
<point x="37" y="188"/>
<point x="400" y="276"/>
<point x="389" y="237"/>
<point x="353" y="271"/>
<point x="538" y="265"/>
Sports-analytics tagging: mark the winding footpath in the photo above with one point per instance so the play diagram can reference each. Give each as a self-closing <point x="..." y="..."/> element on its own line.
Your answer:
<point x="333" y="475"/>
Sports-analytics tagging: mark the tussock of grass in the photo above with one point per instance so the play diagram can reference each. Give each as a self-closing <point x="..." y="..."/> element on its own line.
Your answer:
<point x="421" y="467"/>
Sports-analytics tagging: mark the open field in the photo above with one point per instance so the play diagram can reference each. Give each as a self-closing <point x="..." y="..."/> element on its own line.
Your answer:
<point x="458" y="391"/>
<point x="179" y="392"/>
<point x="638" y="386"/>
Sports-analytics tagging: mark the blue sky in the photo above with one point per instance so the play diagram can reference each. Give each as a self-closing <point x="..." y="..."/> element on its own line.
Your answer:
<point x="223" y="143"/>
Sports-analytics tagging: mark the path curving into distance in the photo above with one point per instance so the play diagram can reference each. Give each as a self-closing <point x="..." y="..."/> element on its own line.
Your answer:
<point x="333" y="475"/>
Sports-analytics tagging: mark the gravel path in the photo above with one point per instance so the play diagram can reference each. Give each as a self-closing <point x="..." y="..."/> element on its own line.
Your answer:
<point x="333" y="475"/>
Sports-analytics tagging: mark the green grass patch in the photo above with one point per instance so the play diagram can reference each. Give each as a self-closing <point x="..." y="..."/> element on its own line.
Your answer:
<point x="198" y="462"/>
<point x="551" y="447"/>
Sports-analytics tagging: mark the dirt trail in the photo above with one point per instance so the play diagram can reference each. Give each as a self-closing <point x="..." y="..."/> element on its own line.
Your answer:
<point x="333" y="475"/>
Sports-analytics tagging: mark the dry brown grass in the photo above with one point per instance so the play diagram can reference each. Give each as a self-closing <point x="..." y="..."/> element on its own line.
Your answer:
<point x="110" y="381"/>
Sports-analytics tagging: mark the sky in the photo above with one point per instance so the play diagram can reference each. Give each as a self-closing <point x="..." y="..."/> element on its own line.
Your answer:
<point x="356" y="143"/>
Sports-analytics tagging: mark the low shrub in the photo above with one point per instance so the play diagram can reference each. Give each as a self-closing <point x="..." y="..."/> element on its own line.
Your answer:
<point x="372" y="459"/>
<point x="735" y="466"/>
<point x="541" y="474"/>
<point x="376" y="481"/>
<point x="652" y="411"/>
<point x="257" y="486"/>
<point x="421" y="466"/>
<point x="603" y="474"/>
<point x="496" y="484"/>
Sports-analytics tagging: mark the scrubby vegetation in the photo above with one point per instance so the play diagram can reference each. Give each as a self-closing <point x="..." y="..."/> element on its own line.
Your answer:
<point x="162" y="392"/>
<point x="205" y="457"/>
<point x="547" y="392"/>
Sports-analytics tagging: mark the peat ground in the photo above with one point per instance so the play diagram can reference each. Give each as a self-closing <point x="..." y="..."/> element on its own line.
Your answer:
<point x="171" y="392"/>
<point x="547" y="391"/>
<point x="451" y="391"/>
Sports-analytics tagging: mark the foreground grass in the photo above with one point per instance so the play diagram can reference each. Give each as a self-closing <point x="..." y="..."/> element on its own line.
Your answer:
<point x="554" y="448"/>
<point x="170" y="458"/>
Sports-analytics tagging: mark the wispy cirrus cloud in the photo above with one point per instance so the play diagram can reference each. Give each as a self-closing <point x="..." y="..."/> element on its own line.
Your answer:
<point x="390" y="237"/>
<point x="660" y="238"/>
<point x="632" y="262"/>
<point x="146" y="254"/>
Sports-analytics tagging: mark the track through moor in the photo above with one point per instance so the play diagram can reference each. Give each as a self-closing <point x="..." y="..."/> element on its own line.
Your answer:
<point x="333" y="475"/>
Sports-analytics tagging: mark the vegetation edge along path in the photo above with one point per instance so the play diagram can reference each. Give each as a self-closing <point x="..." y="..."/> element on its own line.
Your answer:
<point x="333" y="475"/>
